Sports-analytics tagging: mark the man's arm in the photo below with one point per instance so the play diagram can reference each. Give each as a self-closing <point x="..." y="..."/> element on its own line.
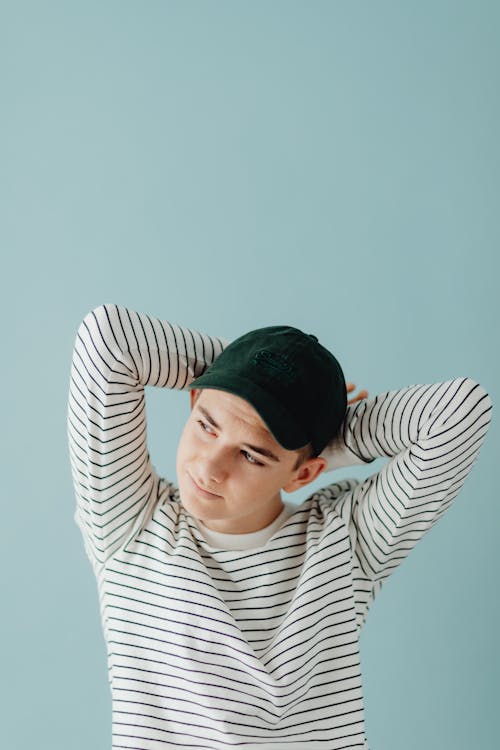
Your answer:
<point x="432" y="435"/>
<point x="117" y="353"/>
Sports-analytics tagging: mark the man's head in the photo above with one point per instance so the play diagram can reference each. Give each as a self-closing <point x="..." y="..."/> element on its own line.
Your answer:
<point x="269" y="404"/>
<point x="220" y="450"/>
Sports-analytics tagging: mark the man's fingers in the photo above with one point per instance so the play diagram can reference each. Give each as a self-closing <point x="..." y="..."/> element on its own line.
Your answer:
<point x="361" y="395"/>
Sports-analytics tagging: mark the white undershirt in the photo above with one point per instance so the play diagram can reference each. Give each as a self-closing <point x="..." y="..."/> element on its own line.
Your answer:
<point x="252" y="540"/>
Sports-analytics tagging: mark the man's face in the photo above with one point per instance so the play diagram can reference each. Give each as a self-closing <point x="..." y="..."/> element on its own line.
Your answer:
<point x="244" y="484"/>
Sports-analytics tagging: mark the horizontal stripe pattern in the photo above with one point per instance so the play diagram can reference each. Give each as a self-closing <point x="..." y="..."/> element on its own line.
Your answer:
<point x="211" y="648"/>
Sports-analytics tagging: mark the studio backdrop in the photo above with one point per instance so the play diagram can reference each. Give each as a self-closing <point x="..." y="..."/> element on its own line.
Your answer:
<point x="224" y="166"/>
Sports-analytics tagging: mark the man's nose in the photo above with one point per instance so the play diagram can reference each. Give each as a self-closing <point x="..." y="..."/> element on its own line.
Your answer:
<point x="213" y="467"/>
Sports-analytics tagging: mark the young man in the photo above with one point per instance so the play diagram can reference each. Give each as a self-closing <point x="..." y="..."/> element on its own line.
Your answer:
<point x="232" y="618"/>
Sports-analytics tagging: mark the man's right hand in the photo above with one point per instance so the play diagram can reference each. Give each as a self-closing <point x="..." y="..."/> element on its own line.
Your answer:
<point x="350" y="387"/>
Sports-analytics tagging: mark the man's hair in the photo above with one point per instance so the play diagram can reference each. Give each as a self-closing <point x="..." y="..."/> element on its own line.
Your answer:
<point x="306" y="452"/>
<point x="303" y="454"/>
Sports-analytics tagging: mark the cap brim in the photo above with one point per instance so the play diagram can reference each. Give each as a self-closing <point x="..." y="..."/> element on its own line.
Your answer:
<point x="276" y="418"/>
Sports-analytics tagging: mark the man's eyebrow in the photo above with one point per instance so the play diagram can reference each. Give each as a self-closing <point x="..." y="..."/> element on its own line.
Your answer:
<point x="255" y="448"/>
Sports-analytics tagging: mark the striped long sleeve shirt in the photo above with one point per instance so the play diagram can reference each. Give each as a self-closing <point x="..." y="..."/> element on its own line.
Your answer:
<point x="211" y="647"/>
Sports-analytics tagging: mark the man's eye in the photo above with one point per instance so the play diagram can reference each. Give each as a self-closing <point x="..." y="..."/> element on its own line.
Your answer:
<point x="252" y="459"/>
<point x="203" y="425"/>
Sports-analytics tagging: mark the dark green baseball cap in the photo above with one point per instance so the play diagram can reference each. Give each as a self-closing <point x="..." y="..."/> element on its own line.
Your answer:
<point x="294" y="383"/>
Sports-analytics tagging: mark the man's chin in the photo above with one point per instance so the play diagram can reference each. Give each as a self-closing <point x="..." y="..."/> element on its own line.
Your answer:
<point x="195" y="504"/>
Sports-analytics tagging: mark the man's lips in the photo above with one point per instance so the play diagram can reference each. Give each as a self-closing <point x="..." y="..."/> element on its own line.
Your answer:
<point x="205" y="493"/>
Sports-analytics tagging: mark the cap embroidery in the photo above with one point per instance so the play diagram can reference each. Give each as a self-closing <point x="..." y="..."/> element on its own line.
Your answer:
<point x="276" y="366"/>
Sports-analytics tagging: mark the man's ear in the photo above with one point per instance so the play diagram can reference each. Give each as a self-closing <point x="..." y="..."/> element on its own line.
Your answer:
<point x="307" y="473"/>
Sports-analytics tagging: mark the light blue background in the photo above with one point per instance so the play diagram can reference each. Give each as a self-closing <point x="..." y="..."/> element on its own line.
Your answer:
<point x="229" y="165"/>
